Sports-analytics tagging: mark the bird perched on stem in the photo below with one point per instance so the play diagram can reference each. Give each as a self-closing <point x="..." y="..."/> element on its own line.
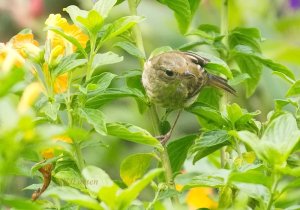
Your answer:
<point x="174" y="80"/>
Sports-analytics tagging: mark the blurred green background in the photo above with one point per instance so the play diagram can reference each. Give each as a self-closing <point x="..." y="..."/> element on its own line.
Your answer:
<point x="278" y="21"/>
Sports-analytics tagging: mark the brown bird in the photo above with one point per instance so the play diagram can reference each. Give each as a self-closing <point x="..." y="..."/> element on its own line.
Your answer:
<point x="174" y="79"/>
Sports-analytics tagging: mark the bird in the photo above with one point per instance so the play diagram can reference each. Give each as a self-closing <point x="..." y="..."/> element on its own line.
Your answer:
<point x="174" y="79"/>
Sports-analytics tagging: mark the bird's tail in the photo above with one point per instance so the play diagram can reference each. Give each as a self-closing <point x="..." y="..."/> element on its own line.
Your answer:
<point x="220" y="82"/>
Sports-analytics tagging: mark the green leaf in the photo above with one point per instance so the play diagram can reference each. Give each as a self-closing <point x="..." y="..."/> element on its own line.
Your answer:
<point x="194" y="5"/>
<point x="13" y="202"/>
<point x="51" y="110"/>
<point x="10" y="79"/>
<point x="132" y="133"/>
<point x="96" y="118"/>
<point x="160" y="50"/>
<point x="258" y="192"/>
<point x="108" y="194"/>
<point x="67" y="64"/>
<point x="120" y="26"/>
<point x="216" y="65"/>
<point x="69" y="177"/>
<point x="234" y="112"/>
<point x="245" y="36"/>
<point x="251" y="67"/>
<point x="277" y="142"/>
<point x="134" y="167"/>
<point x="102" y="59"/>
<point x="130" y="48"/>
<point x="239" y="79"/>
<point x="178" y="150"/>
<point x="191" y="45"/>
<point x="294" y="90"/>
<point x="102" y="82"/>
<point x="208" y="116"/>
<point x="209" y="142"/>
<point x="92" y="22"/>
<point x="72" y="196"/>
<point x="113" y="93"/>
<point x="127" y="196"/>
<point x="104" y="7"/>
<point x="74" y="12"/>
<point x="183" y="11"/>
<point x="71" y="39"/>
<point x="96" y="178"/>
<point x="247" y="51"/>
<point x="254" y="174"/>
<point x="215" y="180"/>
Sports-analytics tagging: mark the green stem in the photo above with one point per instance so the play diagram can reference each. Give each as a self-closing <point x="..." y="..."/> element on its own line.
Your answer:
<point x="77" y="150"/>
<point x="224" y="32"/>
<point x="275" y="179"/>
<point x="224" y="21"/>
<point x="153" y="112"/>
<point x="136" y="30"/>
<point x="89" y="70"/>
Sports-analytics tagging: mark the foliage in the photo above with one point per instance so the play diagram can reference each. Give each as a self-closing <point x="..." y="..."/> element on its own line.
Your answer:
<point x="51" y="108"/>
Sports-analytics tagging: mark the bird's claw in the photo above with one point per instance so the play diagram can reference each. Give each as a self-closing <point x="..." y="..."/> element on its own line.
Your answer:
<point x="164" y="138"/>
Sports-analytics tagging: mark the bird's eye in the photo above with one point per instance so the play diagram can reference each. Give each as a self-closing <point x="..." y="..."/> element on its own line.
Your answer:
<point x="169" y="72"/>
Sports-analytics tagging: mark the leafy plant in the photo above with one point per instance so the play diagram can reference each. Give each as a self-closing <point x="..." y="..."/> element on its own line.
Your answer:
<point x="52" y="106"/>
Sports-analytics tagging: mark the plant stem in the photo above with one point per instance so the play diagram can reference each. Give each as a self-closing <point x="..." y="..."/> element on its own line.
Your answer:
<point x="224" y="21"/>
<point x="153" y="112"/>
<point x="136" y="30"/>
<point x="224" y="32"/>
<point x="276" y="178"/>
<point x="89" y="71"/>
<point x="76" y="146"/>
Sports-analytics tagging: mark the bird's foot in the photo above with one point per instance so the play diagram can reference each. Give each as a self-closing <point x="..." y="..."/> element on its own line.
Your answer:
<point x="164" y="138"/>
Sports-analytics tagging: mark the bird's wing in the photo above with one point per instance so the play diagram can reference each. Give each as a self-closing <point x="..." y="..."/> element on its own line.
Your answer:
<point x="197" y="59"/>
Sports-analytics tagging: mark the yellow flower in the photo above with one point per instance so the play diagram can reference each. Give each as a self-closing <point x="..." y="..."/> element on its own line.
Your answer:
<point x="61" y="83"/>
<point x="49" y="153"/>
<point x="9" y="58"/>
<point x="200" y="197"/>
<point x="25" y="45"/>
<point x="59" y="47"/>
<point x="29" y="96"/>
<point x="70" y="30"/>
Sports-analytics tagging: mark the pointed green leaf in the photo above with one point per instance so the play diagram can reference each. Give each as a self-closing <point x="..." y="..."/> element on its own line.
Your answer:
<point x="96" y="178"/>
<point x="92" y="23"/>
<point x="51" y="110"/>
<point x="127" y="196"/>
<point x="13" y="202"/>
<point x="183" y="11"/>
<point x="67" y="64"/>
<point x="134" y="167"/>
<point x="132" y="133"/>
<point x="120" y="26"/>
<point x="96" y="118"/>
<point x="294" y="90"/>
<point x="277" y="142"/>
<point x="178" y="150"/>
<point x="130" y="48"/>
<point x="95" y="101"/>
<point x="72" y="196"/>
<point x="104" y="7"/>
<point x="215" y="180"/>
<point x="209" y="142"/>
<point x="102" y="59"/>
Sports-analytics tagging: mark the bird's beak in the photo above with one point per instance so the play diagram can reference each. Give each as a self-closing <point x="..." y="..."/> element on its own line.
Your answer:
<point x="188" y="74"/>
